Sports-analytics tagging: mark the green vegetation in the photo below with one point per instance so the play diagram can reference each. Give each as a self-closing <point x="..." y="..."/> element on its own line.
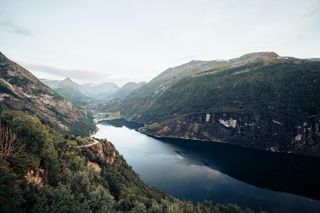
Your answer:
<point x="82" y="94"/>
<point x="74" y="95"/>
<point x="125" y="90"/>
<point x="114" y="115"/>
<point x="44" y="171"/>
<point x="274" y="101"/>
<point x="22" y="91"/>
<point x="277" y="89"/>
<point x="82" y="127"/>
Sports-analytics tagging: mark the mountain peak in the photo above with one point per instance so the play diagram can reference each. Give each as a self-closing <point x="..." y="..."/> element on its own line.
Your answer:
<point x="254" y="57"/>
<point x="194" y="63"/>
<point x="68" y="82"/>
<point x="262" y="55"/>
<point x="67" y="79"/>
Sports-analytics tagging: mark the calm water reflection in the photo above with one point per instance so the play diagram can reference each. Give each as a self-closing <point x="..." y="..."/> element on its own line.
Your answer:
<point x="224" y="173"/>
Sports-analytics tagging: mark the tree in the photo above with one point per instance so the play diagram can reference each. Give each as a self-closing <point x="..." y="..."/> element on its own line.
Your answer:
<point x="9" y="144"/>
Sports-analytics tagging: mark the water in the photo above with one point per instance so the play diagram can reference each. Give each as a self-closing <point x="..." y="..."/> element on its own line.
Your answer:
<point x="193" y="170"/>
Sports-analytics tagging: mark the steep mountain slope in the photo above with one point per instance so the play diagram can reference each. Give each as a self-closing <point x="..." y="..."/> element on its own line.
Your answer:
<point x="53" y="84"/>
<point x="44" y="171"/>
<point x="144" y="97"/>
<point x="114" y="101"/>
<point x="125" y="90"/>
<point x="20" y="90"/>
<point x="72" y="91"/>
<point x="259" y="100"/>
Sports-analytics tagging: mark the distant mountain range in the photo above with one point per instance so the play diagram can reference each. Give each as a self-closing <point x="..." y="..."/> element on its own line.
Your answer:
<point x="84" y="94"/>
<point x="259" y="100"/>
<point x="125" y="90"/>
<point x="20" y="90"/>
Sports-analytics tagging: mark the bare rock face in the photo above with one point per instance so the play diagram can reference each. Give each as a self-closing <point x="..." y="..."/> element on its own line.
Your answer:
<point x="103" y="151"/>
<point x="244" y="129"/>
<point x="36" y="177"/>
<point x="20" y="90"/>
<point x="306" y="137"/>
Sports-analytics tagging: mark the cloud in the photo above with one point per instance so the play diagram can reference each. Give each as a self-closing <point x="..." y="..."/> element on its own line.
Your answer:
<point x="10" y="26"/>
<point x="80" y="74"/>
<point x="77" y="74"/>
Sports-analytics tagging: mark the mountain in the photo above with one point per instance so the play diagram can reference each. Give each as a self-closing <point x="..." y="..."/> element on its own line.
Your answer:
<point x="67" y="82"/>
<point x="20" y="90"/>
<point x="82" y="94"/>
<point x="45" y="170"/>
<point x="53" y="84"/>
<point x="314" y="59"/>
<point x="259" y="100"/>
<point x="100" y="92"/>
<point x="125" y="90"/>
<point x="69" y="90"/>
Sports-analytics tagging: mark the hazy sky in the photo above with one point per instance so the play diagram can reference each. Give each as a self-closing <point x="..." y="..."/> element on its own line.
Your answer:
<point x="103" y="40"/>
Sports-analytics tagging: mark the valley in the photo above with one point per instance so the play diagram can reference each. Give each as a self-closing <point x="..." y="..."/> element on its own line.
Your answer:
<point x="49" y="162"/>
<point x="196" y="171"/>
<point x="86" y="94"/>
<point x="242" y="133"/>
<point x="160" y="106"/>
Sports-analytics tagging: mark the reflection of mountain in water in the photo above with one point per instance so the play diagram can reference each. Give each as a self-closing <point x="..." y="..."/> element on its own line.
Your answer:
<point x="213" y="171"/>
<point x="280" y="172"/>
<point x="123" y="122"/>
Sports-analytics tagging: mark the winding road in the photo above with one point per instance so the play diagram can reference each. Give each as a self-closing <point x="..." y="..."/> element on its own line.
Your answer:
<point x="88" y="145"/>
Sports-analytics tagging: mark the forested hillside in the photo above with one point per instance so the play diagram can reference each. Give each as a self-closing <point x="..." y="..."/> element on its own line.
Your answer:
<point x="44" y="171"/>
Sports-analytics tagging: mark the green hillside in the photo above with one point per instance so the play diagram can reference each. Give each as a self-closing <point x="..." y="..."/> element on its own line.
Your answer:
<point x="22" y="91"/>
<point x="125" y="90"/>
<point x="259" y="100"/>
<point x="43" y="171"/>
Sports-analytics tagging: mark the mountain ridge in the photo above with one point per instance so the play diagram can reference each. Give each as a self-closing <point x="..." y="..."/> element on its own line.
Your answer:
<point x="259" y="100"/>
<point x="20" y="90"/>
<point x="82" y="94"/>
<point x="126" y="89"/>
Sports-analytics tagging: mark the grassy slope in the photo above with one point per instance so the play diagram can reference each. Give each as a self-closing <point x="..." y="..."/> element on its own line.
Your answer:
<point x="279" y="89"/>
<point x="281" y="99"/>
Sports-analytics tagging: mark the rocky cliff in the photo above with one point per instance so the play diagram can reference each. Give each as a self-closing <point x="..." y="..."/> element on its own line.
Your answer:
<point x="245" y="130"/>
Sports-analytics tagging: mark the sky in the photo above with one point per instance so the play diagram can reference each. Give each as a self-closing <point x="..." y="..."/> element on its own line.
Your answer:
<point x="120" y="41"/>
